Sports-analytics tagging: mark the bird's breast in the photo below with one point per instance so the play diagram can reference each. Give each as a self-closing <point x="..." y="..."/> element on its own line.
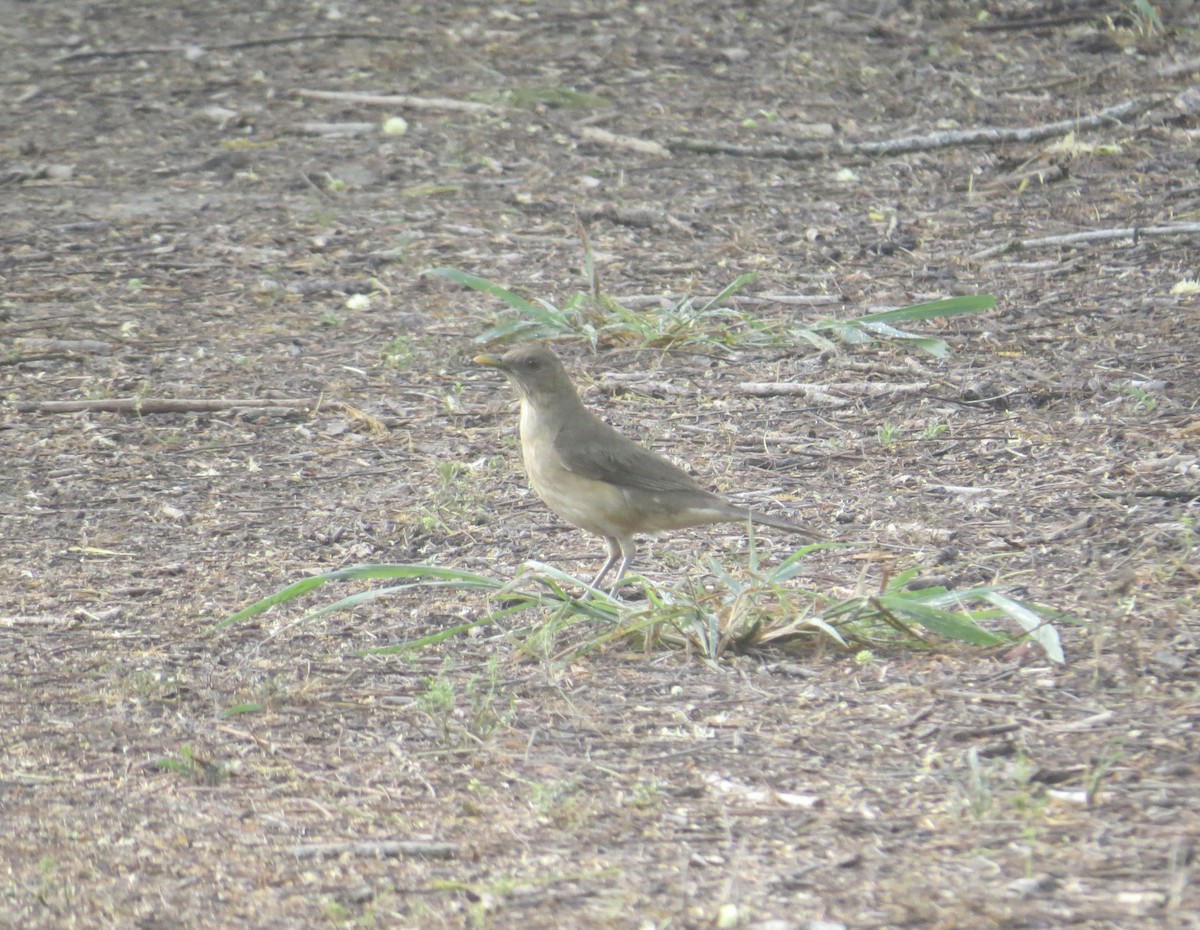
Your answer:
<point x="595" y="506"/>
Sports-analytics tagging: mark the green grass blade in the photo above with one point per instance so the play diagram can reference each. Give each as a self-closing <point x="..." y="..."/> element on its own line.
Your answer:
<point x="935" y="347"/>
<point x="236" y="710"/>
<point x="552" y="315"/>
<point x="951" y="306"/>
<point x="815" y="339"/>
<point x="279" y="597"/>
<point x="485" y="286"/>
<point x="931" y="344"/>
<point x="846" y="330"/>
<point x="732" y="287"/>
<point x="794" y="563"/>
<point x="826" y="628"/>
<point x="865" y="329"/>
<point x="1038" y="628"/>
<point x="957" y="626"/>
<point x="359" y="573"/>
<point x="389" y="572"/>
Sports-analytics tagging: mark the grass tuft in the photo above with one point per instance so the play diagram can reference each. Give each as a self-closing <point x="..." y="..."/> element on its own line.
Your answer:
<point x="593" y="316"/>
<point x="723" y="614"/>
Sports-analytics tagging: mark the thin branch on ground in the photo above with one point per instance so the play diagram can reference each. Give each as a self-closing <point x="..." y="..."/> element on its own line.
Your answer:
<point x="632" y="143"/>
<point x="932" y="141"/>
<point x="84" y="54"/>
<point x="403" y="100"/>
<point x="797" y="300"/>
<point x="1186" y="495"/>
<point x="1093" y="235"/>
<point x="1035" y="21"/>
<point x="316" y="128"/>
<point x="37" y="357"/>
<point x="138" y="406"/>
<point x="838" y="395"/>
<point x="425" y="849"/>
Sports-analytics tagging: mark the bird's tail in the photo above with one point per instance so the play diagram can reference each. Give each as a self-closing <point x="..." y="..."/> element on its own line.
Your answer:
<point x="779" y="523"/>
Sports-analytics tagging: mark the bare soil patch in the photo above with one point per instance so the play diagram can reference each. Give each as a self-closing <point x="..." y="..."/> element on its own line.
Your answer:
<point x="174" y="228"/>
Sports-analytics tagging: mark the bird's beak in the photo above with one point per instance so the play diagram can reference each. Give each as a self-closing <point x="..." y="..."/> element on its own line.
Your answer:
<point x="490" y="360"/>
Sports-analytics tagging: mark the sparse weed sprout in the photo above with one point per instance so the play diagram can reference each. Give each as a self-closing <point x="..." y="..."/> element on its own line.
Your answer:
<point x="598" y="318"/>
<point x="887" y="433"/>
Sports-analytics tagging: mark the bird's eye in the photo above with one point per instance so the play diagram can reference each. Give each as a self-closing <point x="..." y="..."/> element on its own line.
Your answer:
<point x="531" y="363"/>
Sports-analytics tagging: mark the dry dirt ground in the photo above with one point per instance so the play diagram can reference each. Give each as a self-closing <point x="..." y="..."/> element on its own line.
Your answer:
<point x="173" y="227"/>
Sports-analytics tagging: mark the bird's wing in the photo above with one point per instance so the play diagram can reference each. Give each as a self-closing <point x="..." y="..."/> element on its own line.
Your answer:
<point x="595" y="450"/>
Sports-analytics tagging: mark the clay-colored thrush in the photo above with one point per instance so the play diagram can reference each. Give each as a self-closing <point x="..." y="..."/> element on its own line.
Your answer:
<point x="597" y="479"/>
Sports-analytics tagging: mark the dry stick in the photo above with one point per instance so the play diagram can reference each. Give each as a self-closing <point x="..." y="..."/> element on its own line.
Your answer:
<point x="1019" y="24"/>
<point x="1095" y="235"/>
<point x="899" y="146"/>
<point x="83" y="54"/>
<point x="22" y="359"/>
<point x="313" y="128"/>
<point x="837" y="395"/>
<point x="634" y="144"/>
<point x="1171" y="494"/>
<point x="145" y="405"/>
<point x="797" y="300"/>
<point x="403" y="100"/>
<point x="937" y="140"/>
<point x="419" y="848"/>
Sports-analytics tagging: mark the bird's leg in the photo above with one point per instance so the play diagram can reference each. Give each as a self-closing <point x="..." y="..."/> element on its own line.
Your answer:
<point x="626" y="548"/>
<point x="627" y="558"/>
<point x="614" y="553"/>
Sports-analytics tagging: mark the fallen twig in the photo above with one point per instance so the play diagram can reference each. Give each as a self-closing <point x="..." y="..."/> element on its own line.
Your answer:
<point x="836" y="395"/>
<point x="67" y="346"/>
<point x="183" y="47"/>
<point x="313" y="128"/>
<point x="1034" y="21"/>
<point x="139" y="406"/>
<point x="1092" y="235"/>
<point x="1170" y="494"/>
<point x="849" y="388"/>
<point x="936" y="140"/>
<point x="425" y="849"/>
<point x="35" y="357"/>
<point x="798" y="300"/>
<point x="403" y="100"/>
<point x="604" y="137"/>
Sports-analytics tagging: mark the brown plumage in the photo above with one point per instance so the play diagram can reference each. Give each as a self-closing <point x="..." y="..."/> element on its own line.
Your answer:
<point x="597" y="479"/>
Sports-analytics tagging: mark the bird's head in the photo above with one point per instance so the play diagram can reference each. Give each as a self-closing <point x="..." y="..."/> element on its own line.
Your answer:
<point x="535" y="371"/>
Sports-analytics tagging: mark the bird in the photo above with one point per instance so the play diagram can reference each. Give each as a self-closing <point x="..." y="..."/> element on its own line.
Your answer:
<point x="599" y="480"/>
